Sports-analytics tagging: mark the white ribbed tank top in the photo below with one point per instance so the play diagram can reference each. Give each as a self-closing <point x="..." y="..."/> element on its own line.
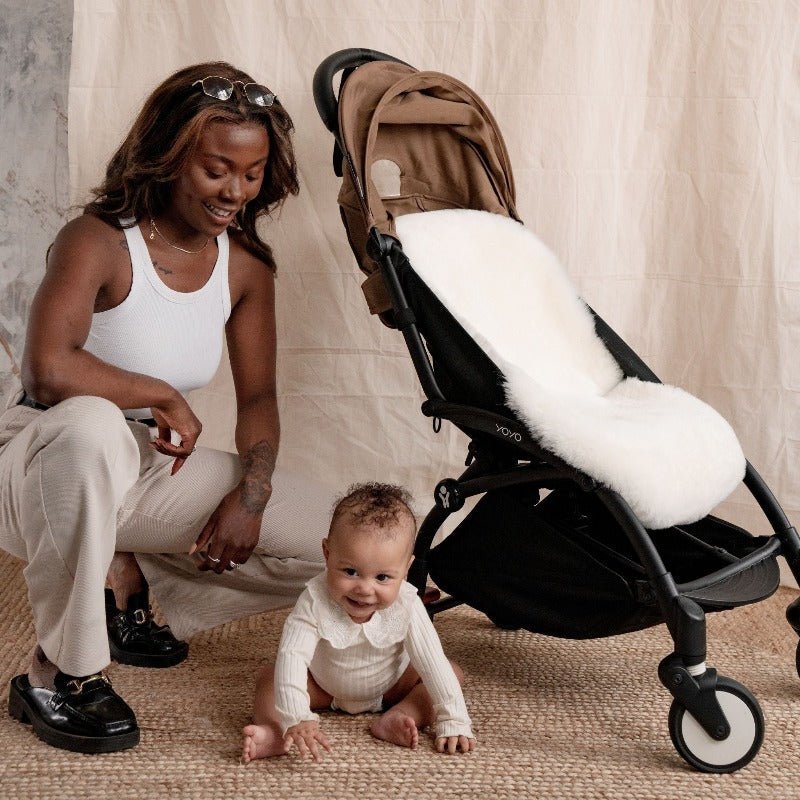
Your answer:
<point x="156" y="331"/>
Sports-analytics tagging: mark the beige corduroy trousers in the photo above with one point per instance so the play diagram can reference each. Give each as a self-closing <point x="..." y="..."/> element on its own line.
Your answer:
<point x="79" y="481"/>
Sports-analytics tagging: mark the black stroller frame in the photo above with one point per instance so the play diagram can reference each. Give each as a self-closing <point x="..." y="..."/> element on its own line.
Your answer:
<point x="502" y="453"/>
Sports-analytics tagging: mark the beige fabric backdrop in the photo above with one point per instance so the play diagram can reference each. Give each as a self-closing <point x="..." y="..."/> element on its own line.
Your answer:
<point x="656" y="148"/>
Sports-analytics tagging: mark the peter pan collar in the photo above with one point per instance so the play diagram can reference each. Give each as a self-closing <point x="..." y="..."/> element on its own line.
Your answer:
<point x="386" y="627"/>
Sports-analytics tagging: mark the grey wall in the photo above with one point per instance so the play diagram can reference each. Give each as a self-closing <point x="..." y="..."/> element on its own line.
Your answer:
<point x="35" y="45"/>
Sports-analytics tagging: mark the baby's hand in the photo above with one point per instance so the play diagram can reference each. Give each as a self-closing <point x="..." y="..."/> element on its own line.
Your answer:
<point x="455" y="744"/>
<point x="307" y="737"/>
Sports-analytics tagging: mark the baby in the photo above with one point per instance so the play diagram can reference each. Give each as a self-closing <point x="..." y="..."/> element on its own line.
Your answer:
<point x="359" y="639"/>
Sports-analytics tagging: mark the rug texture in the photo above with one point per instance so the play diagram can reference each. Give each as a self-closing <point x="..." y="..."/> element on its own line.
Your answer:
<point x="554" y="719"/>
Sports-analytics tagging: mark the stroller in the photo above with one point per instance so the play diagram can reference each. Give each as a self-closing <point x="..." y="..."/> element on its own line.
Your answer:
<point x="597" y="481"/>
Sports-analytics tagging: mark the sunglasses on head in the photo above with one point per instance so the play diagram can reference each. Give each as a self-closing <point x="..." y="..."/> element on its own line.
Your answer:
<point x="222" y="89"/>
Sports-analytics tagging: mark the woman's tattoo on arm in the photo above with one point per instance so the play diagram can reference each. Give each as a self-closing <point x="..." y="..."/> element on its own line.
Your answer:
<point x="258" y="464"/>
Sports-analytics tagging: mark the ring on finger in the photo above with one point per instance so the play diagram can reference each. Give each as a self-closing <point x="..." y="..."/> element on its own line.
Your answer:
<point x="233" y="565"/>
<point x="211" y="558"/>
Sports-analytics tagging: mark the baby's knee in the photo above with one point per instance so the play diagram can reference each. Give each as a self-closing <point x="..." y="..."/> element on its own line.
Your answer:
<point x="458" y="671"/>
<point x="265" y="675"/>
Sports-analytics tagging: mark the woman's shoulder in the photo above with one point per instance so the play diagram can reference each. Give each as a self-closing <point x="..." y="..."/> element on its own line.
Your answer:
<point x="246" y="271"/>
<point x="88" y="240"/>
<point x="240" y="255"/>
<point x="90" y="226"/>
<point x="88" y="235"/>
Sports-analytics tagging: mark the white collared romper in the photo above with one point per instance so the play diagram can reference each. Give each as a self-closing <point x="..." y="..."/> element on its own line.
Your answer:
<point x="357" y="663"/>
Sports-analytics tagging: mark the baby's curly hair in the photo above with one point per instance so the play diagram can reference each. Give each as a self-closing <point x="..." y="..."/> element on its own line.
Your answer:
<point x="378" y="505"/>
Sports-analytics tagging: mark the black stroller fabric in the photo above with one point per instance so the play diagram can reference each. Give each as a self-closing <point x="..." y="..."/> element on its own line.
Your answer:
<point x="563" y="567"/>
<point x="465" y="373"/>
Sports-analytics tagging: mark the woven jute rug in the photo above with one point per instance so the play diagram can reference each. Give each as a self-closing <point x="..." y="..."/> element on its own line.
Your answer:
<point x="554" y="719"/>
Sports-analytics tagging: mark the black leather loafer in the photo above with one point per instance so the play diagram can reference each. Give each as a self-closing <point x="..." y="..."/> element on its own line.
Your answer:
<point x="81" y="714"/>
<point x="135" y="639"/>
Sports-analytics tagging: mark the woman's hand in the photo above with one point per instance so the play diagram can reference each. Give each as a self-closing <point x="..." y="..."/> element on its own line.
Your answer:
<point x="308" y="738"/>
<point x="231" y="533"/>
<point x="176" y="415"/>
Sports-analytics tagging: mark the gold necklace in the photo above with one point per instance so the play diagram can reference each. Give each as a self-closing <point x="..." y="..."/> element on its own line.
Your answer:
<point x="154" y="230"/>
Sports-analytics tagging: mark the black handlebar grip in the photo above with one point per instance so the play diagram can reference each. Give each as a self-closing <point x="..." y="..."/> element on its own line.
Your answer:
<point x="325" y="99"/>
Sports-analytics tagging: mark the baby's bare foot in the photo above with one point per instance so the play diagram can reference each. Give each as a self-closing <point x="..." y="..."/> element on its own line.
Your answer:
<point x="261" y="741"/>
<point x="397" y="728"/>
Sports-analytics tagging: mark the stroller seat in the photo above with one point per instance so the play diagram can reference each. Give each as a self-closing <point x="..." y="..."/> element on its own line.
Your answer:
<point x="670" y="455"/>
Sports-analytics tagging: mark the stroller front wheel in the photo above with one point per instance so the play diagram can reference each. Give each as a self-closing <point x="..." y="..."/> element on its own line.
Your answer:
<point x="746" y="721"/>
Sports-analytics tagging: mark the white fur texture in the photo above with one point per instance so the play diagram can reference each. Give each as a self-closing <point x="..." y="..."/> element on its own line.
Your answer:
<point x="671" y="456"/>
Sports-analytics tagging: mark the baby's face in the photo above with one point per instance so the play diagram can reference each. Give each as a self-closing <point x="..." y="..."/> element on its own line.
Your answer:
<point x="366" y="568"/>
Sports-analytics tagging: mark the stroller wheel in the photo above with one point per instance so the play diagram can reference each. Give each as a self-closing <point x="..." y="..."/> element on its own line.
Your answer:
<point x="797" y="658"/>
<point x="710" y="755"/>
<point x="503" y="624"/>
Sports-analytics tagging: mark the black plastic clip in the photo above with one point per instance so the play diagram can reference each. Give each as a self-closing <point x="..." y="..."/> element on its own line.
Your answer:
<point x="403" y="318"/>
<point x="471" y="455"/>
<point x="376" y="246"/>
<point x="437" y="424"/>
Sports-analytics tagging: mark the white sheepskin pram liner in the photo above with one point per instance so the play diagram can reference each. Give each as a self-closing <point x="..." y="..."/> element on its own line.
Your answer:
<point x="671" y="456"/>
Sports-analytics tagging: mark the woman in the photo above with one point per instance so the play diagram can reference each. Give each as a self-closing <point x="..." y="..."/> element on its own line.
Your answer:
<point x="97" y="454"/>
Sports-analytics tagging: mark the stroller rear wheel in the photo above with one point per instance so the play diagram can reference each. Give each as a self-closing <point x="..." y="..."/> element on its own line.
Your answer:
<point x="710" y="755"/>
<point x="797" y="658"/>
<point x="503" y="623"/>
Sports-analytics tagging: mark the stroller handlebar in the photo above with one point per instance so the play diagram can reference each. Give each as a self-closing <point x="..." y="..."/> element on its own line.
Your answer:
<point x="324" y="97"/>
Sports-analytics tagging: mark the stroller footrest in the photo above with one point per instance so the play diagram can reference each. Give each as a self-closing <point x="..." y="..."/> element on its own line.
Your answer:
<point x="750" y="585"/>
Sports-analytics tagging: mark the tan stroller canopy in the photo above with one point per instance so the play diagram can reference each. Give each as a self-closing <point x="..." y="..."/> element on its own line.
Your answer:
<point x="443" y="140"/>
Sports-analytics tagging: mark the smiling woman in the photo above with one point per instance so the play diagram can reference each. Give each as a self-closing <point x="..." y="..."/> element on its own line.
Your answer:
<point x="225" y="171"/>
<point x="183" y="131"/>
<point x="98" y="456"/>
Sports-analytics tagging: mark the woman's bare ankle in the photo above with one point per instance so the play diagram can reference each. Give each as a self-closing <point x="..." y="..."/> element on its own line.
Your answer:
<point x="124" y="578"/>
<point x="42" y="672"/>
